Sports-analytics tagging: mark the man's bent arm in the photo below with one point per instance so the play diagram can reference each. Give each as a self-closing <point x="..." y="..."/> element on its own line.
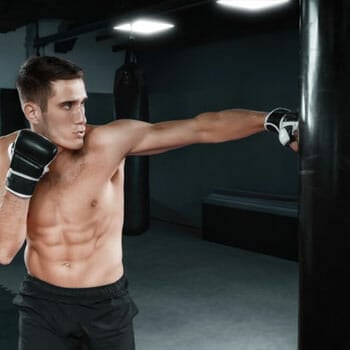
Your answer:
<point x="13" y="225"/>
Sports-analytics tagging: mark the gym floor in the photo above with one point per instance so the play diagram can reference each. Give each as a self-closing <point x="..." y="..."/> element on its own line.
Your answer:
<point x="193" y="294"/>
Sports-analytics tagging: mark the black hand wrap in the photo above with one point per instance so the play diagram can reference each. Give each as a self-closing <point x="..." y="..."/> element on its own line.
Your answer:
<point x="284" y="122"/>
<point x="31" y="154"/>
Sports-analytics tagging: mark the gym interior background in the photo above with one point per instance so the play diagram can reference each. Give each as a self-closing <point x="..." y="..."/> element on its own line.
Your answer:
<point x="257" y="67"/>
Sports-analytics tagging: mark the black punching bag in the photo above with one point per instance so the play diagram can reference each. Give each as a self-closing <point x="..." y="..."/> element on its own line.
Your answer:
<point x="131" y="101"/>
<point x="324" y="305"/>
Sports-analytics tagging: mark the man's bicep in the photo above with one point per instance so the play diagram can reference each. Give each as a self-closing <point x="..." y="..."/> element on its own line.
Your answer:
<point x="164" y="136"/>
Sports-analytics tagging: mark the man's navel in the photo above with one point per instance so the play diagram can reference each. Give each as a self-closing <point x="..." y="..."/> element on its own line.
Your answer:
<point x="67" y="265"/>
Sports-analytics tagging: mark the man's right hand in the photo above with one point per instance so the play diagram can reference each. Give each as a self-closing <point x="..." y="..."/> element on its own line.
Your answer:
<point x="31" y="153"/>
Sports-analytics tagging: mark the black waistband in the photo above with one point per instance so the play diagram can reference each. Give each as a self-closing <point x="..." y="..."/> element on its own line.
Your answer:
<point x="35" y="287"/>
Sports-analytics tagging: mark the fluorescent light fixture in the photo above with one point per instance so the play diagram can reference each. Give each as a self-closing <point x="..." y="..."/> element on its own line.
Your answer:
<point x="144" y="26"/>
<point x="252" y="5"/>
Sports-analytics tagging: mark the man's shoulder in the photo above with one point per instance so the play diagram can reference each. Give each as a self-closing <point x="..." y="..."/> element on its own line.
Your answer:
<point x="5" y="141"/>
<point x="97" y="135"/>
<point x="120" y="127"/>
<point x="118" y="124"/>
<point x="117" y="136"/>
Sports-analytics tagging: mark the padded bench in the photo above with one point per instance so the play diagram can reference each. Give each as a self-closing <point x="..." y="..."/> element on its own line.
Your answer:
<point x="259" y="222"/>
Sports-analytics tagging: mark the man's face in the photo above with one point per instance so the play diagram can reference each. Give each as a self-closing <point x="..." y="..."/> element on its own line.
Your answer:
<point x="64" y="120"/>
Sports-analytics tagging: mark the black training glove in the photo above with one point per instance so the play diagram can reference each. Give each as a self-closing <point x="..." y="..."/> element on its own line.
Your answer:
<point x="31" y="154"/>
<point x="284" y="122"/>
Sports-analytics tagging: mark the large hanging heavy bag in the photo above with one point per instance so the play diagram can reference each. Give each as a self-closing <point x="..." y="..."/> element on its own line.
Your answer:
<point x="131" y="101"/>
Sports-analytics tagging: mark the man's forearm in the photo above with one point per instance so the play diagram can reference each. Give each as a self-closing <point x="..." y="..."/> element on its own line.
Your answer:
<point x="228" y="125"/>
<point x="13" y="222"/>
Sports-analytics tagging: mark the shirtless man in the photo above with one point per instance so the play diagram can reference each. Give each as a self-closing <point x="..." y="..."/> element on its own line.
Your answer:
<point x="71" y="216"/>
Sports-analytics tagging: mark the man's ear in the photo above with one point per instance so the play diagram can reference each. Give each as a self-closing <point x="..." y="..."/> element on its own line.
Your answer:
<point x="32" y="112"/>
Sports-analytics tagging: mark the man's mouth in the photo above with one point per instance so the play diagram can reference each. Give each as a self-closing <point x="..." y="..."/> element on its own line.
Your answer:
<point x="80" y="132"/>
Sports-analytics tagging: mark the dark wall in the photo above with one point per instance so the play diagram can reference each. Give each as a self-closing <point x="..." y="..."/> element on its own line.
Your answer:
<point x="99" y="110"/>
<point x="256" y="72"/>
<point x="11" y="115"/>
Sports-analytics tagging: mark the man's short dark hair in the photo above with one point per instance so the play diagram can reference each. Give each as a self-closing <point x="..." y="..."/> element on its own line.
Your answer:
<point x="36" y="75"/>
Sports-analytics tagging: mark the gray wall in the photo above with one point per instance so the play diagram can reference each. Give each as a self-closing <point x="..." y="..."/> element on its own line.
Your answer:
<point x="96" y="58"/>
<point x="12" y="54"/>
<point x="257" y="72"/>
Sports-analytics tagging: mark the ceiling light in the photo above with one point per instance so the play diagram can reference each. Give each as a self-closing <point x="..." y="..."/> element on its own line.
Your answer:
<point x="252" y="5"/>
<point x="144" y="26"/>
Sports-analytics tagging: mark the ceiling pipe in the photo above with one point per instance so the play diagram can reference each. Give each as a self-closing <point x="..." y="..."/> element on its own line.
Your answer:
<point x="166" y="7"/>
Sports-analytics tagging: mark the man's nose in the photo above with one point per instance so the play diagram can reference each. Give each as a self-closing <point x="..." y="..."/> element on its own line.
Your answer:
<point x="80" y="117"/>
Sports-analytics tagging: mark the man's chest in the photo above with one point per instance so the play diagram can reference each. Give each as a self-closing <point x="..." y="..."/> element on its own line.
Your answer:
<point x="78" y="195"/>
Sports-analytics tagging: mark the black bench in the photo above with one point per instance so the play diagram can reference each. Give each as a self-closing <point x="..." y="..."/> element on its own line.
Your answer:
<point x="260" y="222"/>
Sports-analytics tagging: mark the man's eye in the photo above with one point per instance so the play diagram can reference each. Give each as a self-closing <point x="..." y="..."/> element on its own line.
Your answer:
<point x="67" y="105"/>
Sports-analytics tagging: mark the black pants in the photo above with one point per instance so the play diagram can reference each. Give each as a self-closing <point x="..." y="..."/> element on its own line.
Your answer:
<point x="55" y="318"/>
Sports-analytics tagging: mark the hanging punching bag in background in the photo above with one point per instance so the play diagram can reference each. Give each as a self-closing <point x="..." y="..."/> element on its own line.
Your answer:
<point x="131" y="101"/>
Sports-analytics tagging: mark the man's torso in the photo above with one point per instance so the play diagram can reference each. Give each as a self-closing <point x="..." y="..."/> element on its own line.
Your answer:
<point x="75" y="220"/>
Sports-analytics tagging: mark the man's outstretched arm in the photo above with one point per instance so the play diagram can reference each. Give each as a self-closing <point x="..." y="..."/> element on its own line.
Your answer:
<point x="210" y="127"/>
<point x="132" y="137"/>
